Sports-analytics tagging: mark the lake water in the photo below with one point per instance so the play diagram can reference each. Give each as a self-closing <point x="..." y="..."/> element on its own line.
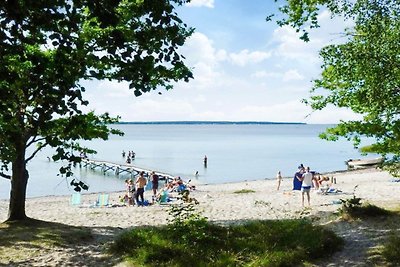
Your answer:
<point x="235" y="152"/>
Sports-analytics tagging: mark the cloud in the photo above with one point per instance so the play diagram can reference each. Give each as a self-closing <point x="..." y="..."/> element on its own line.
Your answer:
<point x="331" y="30"/>
<point x="332" y="114"/>
<point x="200" y="3"/>
<point x="266" y="74"/>
<point x="290" y="75"/>
<point x="245" y="57"/>
<point x="291" y="111"/>
<point x="199" y="48"/>
<point x="289" y="46"/>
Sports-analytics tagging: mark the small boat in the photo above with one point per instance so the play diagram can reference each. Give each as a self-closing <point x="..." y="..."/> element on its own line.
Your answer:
<point x="363" y="163"/>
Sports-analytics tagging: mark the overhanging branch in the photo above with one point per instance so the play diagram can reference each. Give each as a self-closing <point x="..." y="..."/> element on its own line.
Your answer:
<point x="35" y="152"/>
<point x="6" y="176"/>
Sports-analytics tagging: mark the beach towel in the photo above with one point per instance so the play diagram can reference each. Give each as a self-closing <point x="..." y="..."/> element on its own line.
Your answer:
<point x="148" y="186"/>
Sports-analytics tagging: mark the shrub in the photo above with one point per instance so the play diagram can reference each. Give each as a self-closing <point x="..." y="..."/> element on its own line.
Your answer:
<point x="354" y="208"/>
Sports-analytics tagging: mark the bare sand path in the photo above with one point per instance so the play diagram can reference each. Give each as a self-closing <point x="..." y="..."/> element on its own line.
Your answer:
<point x="222" y="204"/>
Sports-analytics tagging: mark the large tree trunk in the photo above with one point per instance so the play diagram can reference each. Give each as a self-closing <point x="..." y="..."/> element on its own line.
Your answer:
<point x="19" y="181"/>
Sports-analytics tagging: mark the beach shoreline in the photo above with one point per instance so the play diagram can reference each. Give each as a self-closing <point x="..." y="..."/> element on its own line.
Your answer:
<point x="220" y="203"/>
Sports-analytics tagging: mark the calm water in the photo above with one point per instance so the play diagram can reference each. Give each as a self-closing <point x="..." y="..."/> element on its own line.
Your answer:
<point x="235" y="153"/>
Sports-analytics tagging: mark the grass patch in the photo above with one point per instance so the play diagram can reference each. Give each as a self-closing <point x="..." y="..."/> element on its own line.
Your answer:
<point x="391" y="249"/>
<point x="244" y="191"/>
<point x="255" y="243"/>
<point x="20" y="241"/>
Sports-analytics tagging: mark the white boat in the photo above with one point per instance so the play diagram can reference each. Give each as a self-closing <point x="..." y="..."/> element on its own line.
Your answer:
<point x="362" y="163"/>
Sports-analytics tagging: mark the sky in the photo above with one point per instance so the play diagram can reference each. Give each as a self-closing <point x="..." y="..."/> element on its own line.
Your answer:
<point x="245" y="69"/>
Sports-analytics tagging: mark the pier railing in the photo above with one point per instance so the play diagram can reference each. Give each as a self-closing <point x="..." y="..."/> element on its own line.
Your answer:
<point x="117" y="168"/>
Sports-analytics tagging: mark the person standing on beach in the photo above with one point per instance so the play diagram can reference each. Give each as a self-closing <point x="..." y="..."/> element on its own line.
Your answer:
<point x="140" y="184"/>
<point x="154" y="183"/>
<point x="297" y="178"/>
<point x="278" y="179"/>
<point x="130" y="191"/>
<point x="205" y="161"/>
<point x="306" y="178"/>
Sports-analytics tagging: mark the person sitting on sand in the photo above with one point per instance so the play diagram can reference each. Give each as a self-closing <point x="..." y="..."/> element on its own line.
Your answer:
<point x="124" y="199"/>
<point x="326" y="186"/>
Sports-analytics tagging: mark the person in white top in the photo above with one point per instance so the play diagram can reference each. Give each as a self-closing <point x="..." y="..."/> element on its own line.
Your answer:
<point x="306" y="178"/>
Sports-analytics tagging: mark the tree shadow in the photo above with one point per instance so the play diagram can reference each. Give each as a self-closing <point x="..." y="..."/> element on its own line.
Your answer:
<point x="42" y="243"/>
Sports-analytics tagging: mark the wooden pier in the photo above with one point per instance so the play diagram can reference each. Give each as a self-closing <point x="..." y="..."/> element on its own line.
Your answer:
<point x="117" y="168"/>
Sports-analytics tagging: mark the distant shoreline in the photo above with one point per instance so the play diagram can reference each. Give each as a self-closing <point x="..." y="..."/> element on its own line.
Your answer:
<point x="211" y="122"/>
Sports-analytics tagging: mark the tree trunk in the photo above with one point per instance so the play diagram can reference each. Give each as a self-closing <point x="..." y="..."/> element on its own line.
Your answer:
<point x="19" y="181"/>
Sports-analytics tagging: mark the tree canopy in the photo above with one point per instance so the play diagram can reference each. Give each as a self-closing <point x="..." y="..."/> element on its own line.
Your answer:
<point x="48" y="47"/>
<point x="362" y="74"/>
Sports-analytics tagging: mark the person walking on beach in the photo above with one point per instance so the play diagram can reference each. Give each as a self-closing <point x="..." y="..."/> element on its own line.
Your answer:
<point x="278" y="179"/>
<point x="306" y="178"/>
<point x="140" y="184"/>
<point x="205" y="161"/>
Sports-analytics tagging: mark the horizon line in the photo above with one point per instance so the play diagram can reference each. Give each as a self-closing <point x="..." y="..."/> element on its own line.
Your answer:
<point x="207" y="122"/>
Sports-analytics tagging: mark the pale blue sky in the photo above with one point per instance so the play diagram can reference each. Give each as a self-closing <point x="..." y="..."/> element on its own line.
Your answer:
<point x="245" y="69"/>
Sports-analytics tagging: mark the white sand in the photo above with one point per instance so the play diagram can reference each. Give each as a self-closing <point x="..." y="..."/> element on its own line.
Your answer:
<point x="219" y="203"/>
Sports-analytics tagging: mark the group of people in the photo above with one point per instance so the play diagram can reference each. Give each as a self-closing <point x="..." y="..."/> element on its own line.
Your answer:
<point x="135" y="189"/>
<point x="131" y="156"/>
<point x="176" y="185"/>
<point x="304" y="180"/>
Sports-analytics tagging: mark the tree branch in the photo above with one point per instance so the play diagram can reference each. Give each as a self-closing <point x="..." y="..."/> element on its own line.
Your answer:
<point x="35" y="140"/>
<point x="6" y="176"/>
<point x="35" y="152"/>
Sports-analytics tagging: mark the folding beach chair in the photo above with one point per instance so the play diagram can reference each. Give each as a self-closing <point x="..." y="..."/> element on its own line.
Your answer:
<point x="102" y="200"/>
<point x="163" y="197"/>
<point x="76" y="199"/>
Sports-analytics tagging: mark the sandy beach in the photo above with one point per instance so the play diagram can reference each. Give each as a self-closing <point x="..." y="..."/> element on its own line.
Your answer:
<point x="219" y="202"/>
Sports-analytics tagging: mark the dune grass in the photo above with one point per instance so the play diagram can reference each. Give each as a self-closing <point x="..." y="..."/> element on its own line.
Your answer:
<point x="244" y="191"/>
<point x="391" y="249"/>
<point x="200" y="243"/>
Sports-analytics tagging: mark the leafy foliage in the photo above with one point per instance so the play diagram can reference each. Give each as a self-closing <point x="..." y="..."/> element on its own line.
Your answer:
<point x="47" y="48"/>
<point x="188" y="224"/>
<point x="362" y="74"/>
